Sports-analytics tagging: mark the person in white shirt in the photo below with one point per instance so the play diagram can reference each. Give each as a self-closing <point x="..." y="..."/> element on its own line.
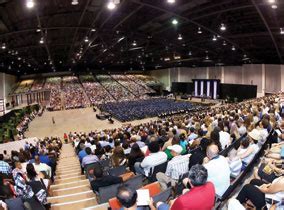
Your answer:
<point x="218" y="169"/>
<point x="155" y="158"/>
<point x="42" y="167"/>
<point x="235" y="163"/>
<point x="176" y="167"/>
<point x="249" y="147"/>
<point x="225" y="138"/>
<point x="263" y="125"/>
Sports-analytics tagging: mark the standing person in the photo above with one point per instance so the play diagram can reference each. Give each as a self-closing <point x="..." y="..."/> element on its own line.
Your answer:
<point x="53" y="121"/>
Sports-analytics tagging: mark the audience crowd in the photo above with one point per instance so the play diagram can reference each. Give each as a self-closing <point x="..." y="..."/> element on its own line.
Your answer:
<point x="23" y="126"/>
<point x="190" y="145"/>
<point x="25" y="175"/>
<point x="139" y="109"/>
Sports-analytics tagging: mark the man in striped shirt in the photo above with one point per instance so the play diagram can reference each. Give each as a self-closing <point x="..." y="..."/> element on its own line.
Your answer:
<point x="176" y="167"/>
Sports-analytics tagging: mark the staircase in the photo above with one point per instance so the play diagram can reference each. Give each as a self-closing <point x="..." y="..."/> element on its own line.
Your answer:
<point x="71" y="190"/>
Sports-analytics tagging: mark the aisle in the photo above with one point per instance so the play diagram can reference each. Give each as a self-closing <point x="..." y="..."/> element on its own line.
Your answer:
<point x="71" y="190"/>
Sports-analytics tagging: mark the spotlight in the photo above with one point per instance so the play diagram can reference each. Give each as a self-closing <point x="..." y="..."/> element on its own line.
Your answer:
<point x="174" y="22"/>
<point x="179" y="37"/>
<point x="274" y="6"/>
<point x="171" y="1"/>
<point x="3" y="46"/>
<point x="199" y="30"/>
<point x="214" y="38"/>
<point x="41" y="41"/>
<point x="281" y="31"/>
<point x="86" y="39"/>
<point x="134" y="43"/>
<point x="223" y="27"/>
<point x="74" y="2"/>
<point x="233" y="48"/>
<point x="30" y="4"/>
<point x="38" y="30"/>
<point x="93" y="30"/>
<point x="111" y="5"/>
<point x="271" y="1"/>
<point x="224" y="43"/>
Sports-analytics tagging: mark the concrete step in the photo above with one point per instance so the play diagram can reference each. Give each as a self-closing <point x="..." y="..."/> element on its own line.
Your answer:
<point x="67" y="171"/>
<point x="71" y="190"/>
<point x="69" y="179"/>
<point x="72" y="197"/>
<point x="76" y="205"/>
<point x="69" y="184"/>
<point x="61" y="176"/>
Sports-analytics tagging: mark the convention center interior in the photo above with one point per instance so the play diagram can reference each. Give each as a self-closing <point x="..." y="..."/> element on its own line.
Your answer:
<point x="141" y="104"/>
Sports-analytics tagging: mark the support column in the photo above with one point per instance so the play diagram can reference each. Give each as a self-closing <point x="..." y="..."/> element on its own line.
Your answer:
<point x="282" y="78"/>
<point x="169" y="76"/>
<point x="263" y="79"/>
<point x="222" y="74"/>
<point x="207" y="72"/>
<point x="178" y="74"/>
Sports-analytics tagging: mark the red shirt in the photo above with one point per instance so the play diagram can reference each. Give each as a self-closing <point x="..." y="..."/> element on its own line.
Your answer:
<point x="198" y="198"/>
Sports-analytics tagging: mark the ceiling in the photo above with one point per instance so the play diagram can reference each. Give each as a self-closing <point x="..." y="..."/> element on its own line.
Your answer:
<point x="252" y="27"/>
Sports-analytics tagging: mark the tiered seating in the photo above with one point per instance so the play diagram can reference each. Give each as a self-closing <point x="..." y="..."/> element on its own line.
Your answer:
<point x="148" y="80"/>
<point x="54" y="85"/>
<point x="24" y="86"/>
<point x="73" y="93"/>
<point x="137" y="80"/>
<point x="119" y="92"/>
<point x="136" y="88"/>
<point x="38" y="85"/>
<point x="95" y="91"/>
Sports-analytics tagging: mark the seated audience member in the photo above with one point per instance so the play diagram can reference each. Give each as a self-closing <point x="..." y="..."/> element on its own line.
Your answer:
<point x="135" y="155"/>
<point x="169" y="141"/>
<point x="156" y="157"/>
<point x="201" y="194"/>
<point x="176" y="167"/>
<point x="101" y="180"/>
<point x="90" y="158"/>
<point x="261" y="195"/>
<point x="32" y="175"/>
<point x="249" y="147"/>
<point x="5" y="168"/>
<point x="22" y="189"/>
<point x="82" y="153"/>
<point x="128" y="199"/>
<point x="6" y="155"/>
<point x="235" y="163"/>
<point x="225" y="138"/>
<point x="42" y="167"/>
<point x="199" y="154"/>
<point x="5" y="190"/>
<point x="118" y="157"/>
<point x="192" y="135"/>
<point x="263" y="132"/>
<point x="218" y="169"/>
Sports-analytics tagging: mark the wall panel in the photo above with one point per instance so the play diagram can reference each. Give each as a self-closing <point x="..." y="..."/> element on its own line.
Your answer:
<point x="272" y="78"/>
<point x="215" y="72"/>
<point x="253" y="75"/>
<point x="233" y="74"/>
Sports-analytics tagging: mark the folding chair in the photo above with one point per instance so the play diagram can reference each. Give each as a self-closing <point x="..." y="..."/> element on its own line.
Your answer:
<point x="159" y="168"/>
<point x="106" y="193"/>
<point x="135" y="182"/>
<point x="89" y="169"/>
<point x="117" y="171"/>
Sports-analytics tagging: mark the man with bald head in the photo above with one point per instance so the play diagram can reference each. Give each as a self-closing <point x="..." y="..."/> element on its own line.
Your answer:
<point x="218" y="169"/>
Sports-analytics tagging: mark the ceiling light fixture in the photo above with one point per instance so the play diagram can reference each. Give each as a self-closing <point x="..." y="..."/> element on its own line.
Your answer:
<point x="86" y="39"/>
<point x="174" y="22"/>
<point x="224" y="43"/>
<point x="214" y="38"/>
<point x="111" y="5"/>
<point x="199" y="30"/>
<point x="179" y="37"/>
<point x="281" y="31"/>
<point x="38" y="30"/>
<point x="271" y="1"/>
<point x="274" y="6"/>
<point x="171" y="1"/>
<point x="223" y="27"/>
<point x="30" y="4"/>
<point x="3" y="46"/>
<point x="74" y="2"/>
<point x="233" y="48"/>
<point x="134" y="43"/>
<point x="41" y="41"/>
<point x="93" y="30"/>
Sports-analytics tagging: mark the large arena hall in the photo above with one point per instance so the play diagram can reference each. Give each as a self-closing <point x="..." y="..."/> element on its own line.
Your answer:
<point x="142" y="104"/>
